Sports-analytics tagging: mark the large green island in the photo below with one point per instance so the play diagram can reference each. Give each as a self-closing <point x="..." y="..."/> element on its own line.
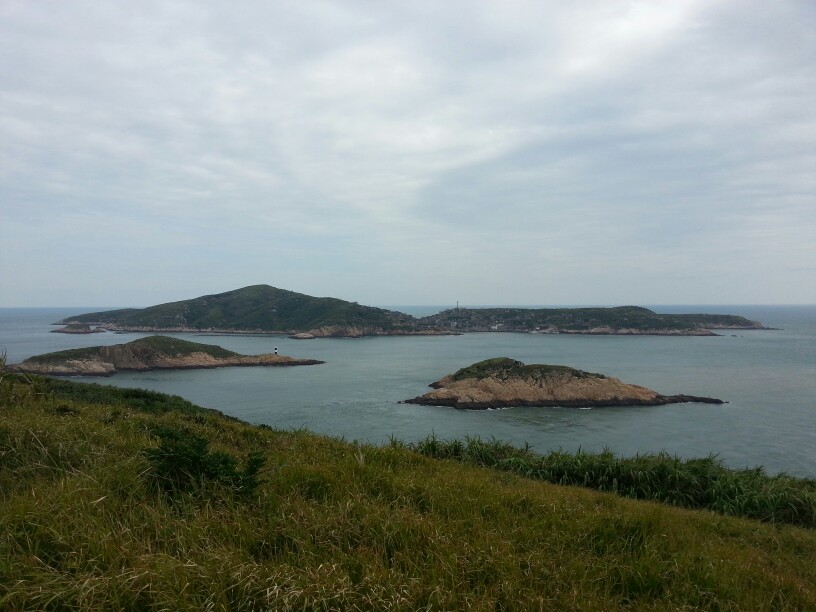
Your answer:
<point x="152" y="353"/>
<point x="261" y="309"/>
<point x="618" y="320"/>
<point x="502" y="382"/>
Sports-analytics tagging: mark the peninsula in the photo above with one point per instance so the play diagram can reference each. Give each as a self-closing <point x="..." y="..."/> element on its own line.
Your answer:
<point x="151" y="353"/>
<point x="502" y="382"/>
<point x="77" y="328"/>
<point x="619" y="320"/>
<point x="261" y="309"/>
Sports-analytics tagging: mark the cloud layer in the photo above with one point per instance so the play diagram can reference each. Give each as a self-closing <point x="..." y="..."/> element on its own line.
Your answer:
<point x="407" y="153"/>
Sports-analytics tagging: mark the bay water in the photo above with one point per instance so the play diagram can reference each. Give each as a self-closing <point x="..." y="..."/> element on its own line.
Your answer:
<point x="767" y="377"/>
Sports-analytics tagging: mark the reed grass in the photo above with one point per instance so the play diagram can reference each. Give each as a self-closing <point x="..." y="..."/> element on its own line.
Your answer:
<point x="703" y="483"/>
<point x="332" y="525"/>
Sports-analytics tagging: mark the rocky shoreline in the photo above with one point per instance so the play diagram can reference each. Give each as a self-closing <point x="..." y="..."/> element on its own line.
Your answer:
<point x="658" y="400"/>
<point x="361" y="332"/>
<point x="195" y="361"/>
<point x="322" y="332"/>
<point x="333" y="331"/>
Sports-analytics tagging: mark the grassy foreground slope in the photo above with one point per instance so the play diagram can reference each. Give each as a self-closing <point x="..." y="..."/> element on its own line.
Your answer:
<point x="127" y="499"/>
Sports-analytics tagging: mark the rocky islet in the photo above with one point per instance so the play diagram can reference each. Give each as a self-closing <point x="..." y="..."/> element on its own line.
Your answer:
<point x="503" y="382"/>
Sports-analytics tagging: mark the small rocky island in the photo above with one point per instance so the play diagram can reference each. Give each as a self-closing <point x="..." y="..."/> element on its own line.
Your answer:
<point x="502" y="382"/>
<point x="151" y="353"/>
<point x="78" y="328"/>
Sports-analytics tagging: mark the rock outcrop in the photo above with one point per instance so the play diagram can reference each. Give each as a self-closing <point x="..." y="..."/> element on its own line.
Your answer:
<point x="153" y="353"/>
<point x="346" y="331"/>
<point x="78" y="328"/>
<point x="503" y="382"/>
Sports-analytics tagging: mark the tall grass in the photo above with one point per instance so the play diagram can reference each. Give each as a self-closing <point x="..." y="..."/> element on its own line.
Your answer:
<point x="695" y="483"/>
<point x="328" y="525"/>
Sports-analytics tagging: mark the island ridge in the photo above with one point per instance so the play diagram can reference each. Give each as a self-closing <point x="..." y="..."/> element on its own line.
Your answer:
<point x="261" y="309"/>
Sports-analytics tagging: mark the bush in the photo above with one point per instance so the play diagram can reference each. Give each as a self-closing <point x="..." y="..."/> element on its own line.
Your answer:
<point x="183" y="463"/>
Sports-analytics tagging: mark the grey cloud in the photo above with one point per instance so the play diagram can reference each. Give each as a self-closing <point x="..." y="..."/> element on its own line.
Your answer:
<point x="333" y="147"/>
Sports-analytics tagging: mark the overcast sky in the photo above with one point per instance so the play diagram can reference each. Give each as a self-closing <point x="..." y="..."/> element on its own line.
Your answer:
<point x="507" y="152"/>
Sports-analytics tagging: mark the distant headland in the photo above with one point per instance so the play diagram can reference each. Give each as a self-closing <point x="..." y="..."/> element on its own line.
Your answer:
<point x="261" y="309"/>
<point x="152" y="353"/>
<point x="77" y="328"/>
<point x="502" y="382"/>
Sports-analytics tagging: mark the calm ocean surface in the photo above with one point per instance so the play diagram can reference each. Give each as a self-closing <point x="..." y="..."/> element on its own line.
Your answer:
<point x="768" y="378"/>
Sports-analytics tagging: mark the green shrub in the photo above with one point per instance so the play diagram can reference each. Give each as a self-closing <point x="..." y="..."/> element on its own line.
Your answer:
<point x="182" y="463"/>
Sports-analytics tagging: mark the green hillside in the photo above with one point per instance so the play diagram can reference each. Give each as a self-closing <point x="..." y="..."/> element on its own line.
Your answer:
<point x="268" y="309"/>
<point x="259" y="307"/>
<point x="120" y="499"/>
<point x="504" y="367"/>
<point x="567" y="320"/>
<point x="146" y="348"/>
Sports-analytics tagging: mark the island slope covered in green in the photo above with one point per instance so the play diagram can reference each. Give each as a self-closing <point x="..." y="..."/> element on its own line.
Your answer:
<point x="265" y="309"/>
<point x="619" y="320"/>
<point x="123" y="499"/>
<point x="258" y="309"/>
<point x="151" y="353"/>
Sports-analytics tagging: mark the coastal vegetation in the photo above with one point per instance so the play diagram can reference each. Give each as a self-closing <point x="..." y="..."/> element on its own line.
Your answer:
<point x="265" y="309"/>
<point x="703" y="483"/>
<point x="150" y="353"/>
<point x="256" y="308"/>
<point x="617" y="320"/>
<point x="505" y="367"/>
<point x="124" y="499"/>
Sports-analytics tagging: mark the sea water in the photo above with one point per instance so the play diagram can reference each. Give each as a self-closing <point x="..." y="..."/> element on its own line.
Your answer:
<point x="767" y="377"/>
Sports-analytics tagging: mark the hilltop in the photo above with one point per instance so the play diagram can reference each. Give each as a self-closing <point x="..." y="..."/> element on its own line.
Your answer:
<point x="502" y="382"/>
<point x="123" y="499"/>
<point x="152" y="353"/>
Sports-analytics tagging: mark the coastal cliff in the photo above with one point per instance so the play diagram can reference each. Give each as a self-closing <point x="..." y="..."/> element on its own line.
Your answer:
<point x="502" y="382"/>
<point x="152" y="353"/>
